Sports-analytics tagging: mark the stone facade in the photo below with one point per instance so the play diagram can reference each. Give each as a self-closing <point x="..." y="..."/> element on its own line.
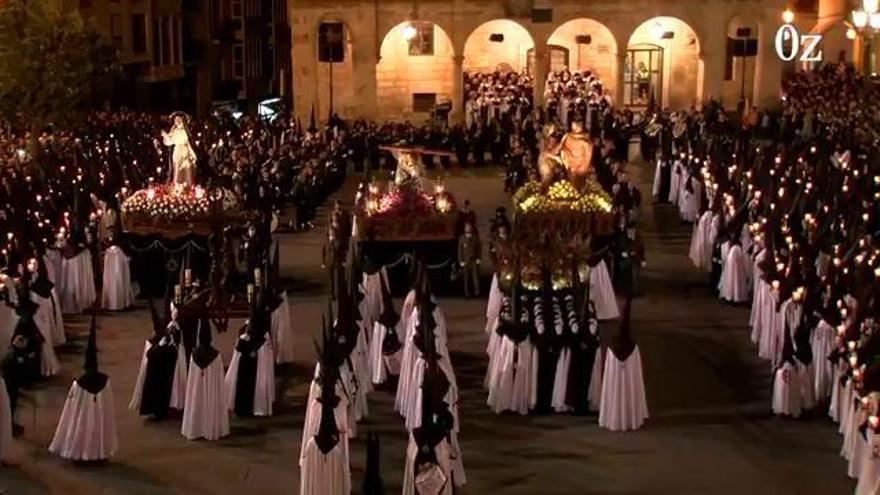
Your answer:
<point x="378" y="77"/>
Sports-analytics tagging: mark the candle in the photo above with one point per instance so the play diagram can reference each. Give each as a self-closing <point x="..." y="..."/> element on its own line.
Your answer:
<point x="177" y="292"/>
<point x="257" y="278"/>
<point x="187" y="277"/>
<point x="250" y="292"/>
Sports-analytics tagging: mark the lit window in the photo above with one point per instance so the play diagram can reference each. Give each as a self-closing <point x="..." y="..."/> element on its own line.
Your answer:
<point x="238" y="61"/>
<point x="423" y="41"/>
<point x="424" y="102"/>
<point x="116" y="30"/>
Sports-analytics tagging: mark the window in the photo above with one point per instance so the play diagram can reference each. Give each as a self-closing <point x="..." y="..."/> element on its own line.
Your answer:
<point x="423" y="41"/>
<point x="166" y="40"/>
<point x="157" y="41"/>
<point x="424" y="102"/>
<point x="175" y="37"/>
<point x="116" y="30"/>
<point x="238" y="61"/>
<point x="728" y="60"/>
<point x="138" y="34"/>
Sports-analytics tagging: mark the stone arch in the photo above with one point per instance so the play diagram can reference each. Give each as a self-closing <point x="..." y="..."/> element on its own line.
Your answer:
<point x="597" y="53"/>
<point x="403" y="71"/>
<point x="483" y="55"/>
<point x="670" y="49"/>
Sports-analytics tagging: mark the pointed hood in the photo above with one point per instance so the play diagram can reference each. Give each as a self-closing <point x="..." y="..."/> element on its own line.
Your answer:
<point x="329" y="360"/>
<point x="423" y="289"/>
<point x="512" y="327"/>
<point x="91" y="361"/>
<point x="623" y="344"/>
<point x="425" y="340"/>
<point x="92" y="380"/>
<point x="373" y="484"/>
<point x="313" y="127"/>
<point x="389" y="317"/>
<point x="275" y="278"/>
<point x="158" y="327"/>
<point x="204" y="353"/>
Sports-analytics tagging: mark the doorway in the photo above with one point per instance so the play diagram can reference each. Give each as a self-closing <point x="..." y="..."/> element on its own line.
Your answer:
<point x="643" y="76"/>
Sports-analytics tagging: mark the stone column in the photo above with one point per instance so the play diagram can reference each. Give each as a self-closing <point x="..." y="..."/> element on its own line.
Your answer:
<point x="457" y="114"/>
<point x="768" y="67"/>
<point x="713" y="55"/>
<point x="618" y="82"/>
<point x="542" y="66"/>
<point x="364" y="61"/>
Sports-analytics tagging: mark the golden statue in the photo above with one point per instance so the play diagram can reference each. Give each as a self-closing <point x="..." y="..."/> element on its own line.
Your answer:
<point x="576" y="153"/>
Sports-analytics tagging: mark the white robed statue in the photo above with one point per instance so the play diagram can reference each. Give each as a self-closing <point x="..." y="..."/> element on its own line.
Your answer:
<point x="183" y="159"/>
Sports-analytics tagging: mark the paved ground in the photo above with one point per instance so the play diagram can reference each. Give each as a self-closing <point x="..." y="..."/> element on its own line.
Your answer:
<point x="710" y="429"/>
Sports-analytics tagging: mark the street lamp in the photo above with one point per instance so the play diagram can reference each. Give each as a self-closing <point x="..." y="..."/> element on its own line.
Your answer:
<point x="657" y="30"/>
<point x="409" y="31"/>
<point x="866" y="22"/>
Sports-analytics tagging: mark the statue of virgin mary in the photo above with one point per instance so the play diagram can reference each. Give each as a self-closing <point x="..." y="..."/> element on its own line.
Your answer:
<point x="183" y="159"/>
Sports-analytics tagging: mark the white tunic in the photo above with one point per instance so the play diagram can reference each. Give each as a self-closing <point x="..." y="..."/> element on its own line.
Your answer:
<point x="282" y="332"/>
<point x="624" y="406"/>
<point x="44" y="319"/>
<point x="264" y="389"/>
<point x="513" y="376"/>
<point x="325" y="474"/>
<point x="448" y="459"/>
<point x="178" y="385"/>
<point x="87" y="428"/>
<point x="116" y="292"/>
<point x="77" y="283"/>
<point x="734" y="284"/>
<point x="602" y="293"/>
<point x="204" y="414"/>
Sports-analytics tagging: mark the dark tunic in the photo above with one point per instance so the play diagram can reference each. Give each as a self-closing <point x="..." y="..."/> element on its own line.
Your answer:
<point x="158" y="380"/>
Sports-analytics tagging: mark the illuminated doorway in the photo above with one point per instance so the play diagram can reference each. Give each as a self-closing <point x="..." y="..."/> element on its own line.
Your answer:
<point x="643" y="76"/>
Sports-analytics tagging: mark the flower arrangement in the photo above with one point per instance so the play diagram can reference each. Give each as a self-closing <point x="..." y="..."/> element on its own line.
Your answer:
<point x="562" y="197"/>
<point x="177" y="202"/>
<point x="406" y="211"/>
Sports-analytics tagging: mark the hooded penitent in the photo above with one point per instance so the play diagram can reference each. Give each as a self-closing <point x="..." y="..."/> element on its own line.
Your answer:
<point x="161" y="357"/>
<point x="623" y="344"/>
<point x="92" y="380"/>
<point x="248" y="347"/>
<point x="389" y="319"/>
<point x="204" y="353"/>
